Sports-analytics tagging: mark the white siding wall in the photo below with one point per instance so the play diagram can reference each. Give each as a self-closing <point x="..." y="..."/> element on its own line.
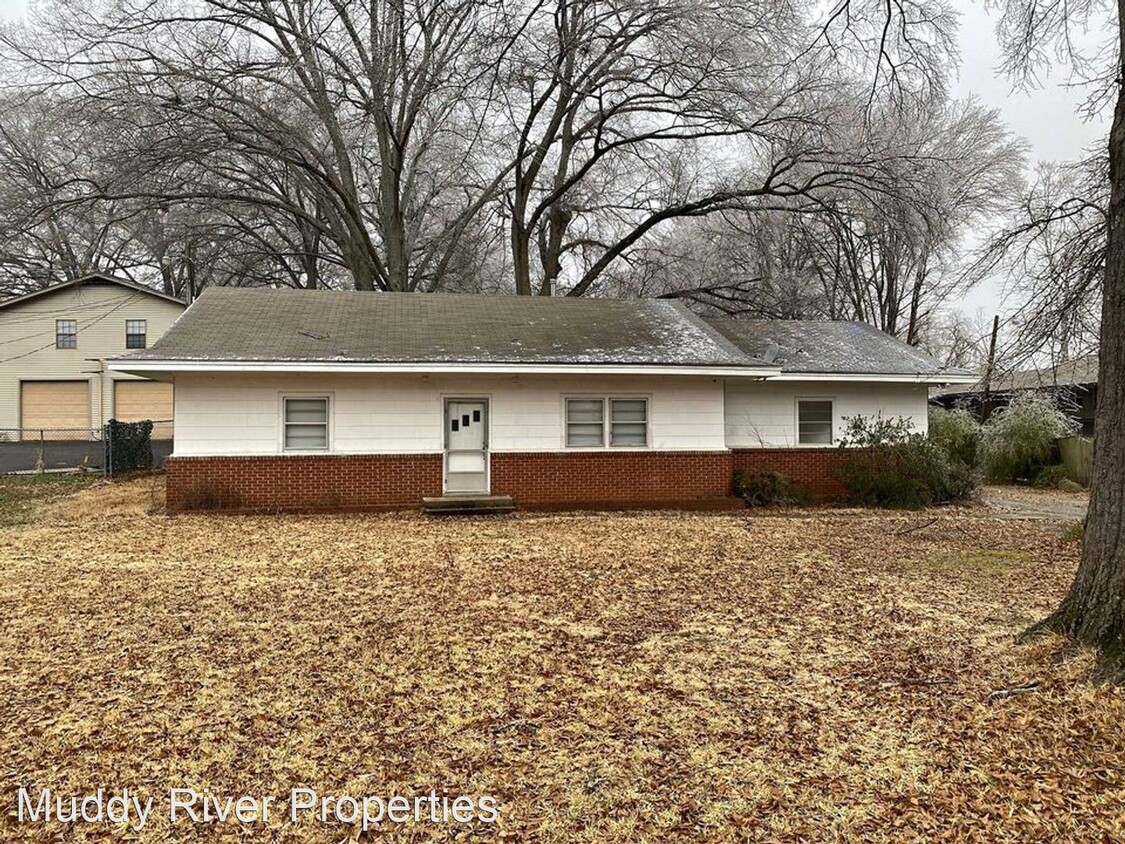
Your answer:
<point x="27" y="341"/>
<point x="764" y="413"/>
<point x="402" y="414"/>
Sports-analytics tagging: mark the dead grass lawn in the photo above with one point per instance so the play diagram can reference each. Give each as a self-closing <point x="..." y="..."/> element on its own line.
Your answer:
<point x="606" y="677"/>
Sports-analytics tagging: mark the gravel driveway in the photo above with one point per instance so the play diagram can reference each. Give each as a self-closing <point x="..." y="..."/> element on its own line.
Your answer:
<point x="1018" y="502"/>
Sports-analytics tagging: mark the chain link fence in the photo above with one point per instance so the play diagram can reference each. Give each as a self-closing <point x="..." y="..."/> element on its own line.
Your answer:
<point x="61" y="449"/>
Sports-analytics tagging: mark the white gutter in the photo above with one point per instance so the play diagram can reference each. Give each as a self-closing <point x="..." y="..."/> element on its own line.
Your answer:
<point x="937" y="378"/>
<point x="143" y="367"/>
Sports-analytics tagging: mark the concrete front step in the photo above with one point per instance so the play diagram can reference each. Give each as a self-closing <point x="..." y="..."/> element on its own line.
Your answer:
<point x="463" y="505"/>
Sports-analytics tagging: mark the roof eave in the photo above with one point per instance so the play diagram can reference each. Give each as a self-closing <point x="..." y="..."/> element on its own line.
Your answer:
<point x="883" y="378"/>
<point x="93" y="277"/>
<point x="148" y="365"/>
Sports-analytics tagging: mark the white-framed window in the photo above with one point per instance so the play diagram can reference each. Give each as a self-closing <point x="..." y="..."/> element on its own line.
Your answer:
<point x="304" y="423"/>
<point x="610" y="421"/>
<point x="66" y="334"/>
<point x="136" y="333"/>
<point x="814" y="421"/>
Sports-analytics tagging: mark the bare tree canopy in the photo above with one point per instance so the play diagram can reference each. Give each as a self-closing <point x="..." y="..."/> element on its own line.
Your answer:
<point x="456" y="144"/>
<point x="889" y="257"/>
<point x="1053" y="253"/>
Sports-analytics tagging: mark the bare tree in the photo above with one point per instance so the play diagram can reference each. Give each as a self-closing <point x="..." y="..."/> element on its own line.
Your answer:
<point x="889" y="257"/>
<point x="1093" y="611"/>
<point x="395" y="140"/>
<point x="1053" y="252"/>
<point x="631" y="115"/>
<point x="370" y="109"/>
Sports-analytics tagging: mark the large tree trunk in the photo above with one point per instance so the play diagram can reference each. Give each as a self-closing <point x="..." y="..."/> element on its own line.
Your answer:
<point x="1093" y="612"/>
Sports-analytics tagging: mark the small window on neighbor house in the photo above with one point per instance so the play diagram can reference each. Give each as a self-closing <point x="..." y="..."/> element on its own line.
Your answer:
<point x="306" y="424"/>
<point x="628" y="422"/>
<point x="136" y="333"/>
<point x="814" y="422"/>
<point x="66" y="334"/>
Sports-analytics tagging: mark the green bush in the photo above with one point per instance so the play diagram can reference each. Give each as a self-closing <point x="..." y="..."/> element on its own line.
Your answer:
<point x="1049" y="477"/>
<point x="128" y="447"/>
<point x="1019" y="440"/>
<point x="768" y="489"/>
<point x="887" y="464"/>
<point x="957" y="433"/>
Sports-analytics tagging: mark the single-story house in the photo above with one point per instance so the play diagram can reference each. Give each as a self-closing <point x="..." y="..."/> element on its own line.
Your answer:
<point x="1072" y="383"/>
<point x="54" y="384"/>
<point x="298" y="399"/>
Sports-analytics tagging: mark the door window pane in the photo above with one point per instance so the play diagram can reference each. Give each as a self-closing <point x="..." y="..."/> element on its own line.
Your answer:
<point x="814" y="422"/>
<point x="306" y="424"/>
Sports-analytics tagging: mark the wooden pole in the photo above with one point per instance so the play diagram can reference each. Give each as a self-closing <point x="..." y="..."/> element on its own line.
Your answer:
<point x="986" y="397"/>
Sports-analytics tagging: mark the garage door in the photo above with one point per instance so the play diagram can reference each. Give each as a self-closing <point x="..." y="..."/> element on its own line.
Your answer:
<point x="136" y="401"/>
<point x="60" y="410"/>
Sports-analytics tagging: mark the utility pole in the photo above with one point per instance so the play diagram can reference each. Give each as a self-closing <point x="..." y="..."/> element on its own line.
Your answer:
<point x="986" y="397"/>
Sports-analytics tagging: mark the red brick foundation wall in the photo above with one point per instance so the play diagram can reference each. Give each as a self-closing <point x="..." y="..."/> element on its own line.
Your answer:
<point x="543" y="479"/>
<point x="608" y="477"/>
<point x="811" y="467"/>
<point x="301" y="482"/>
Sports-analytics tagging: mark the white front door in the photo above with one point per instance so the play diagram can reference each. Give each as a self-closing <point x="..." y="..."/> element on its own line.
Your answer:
<point x="466" y="445"/>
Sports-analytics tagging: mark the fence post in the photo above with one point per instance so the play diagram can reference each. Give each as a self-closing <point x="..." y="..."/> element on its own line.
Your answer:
<point x="107" y="451"/>
<point x="40" y="463"/>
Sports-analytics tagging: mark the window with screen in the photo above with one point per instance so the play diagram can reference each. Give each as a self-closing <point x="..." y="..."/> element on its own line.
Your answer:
<point x="306" y="424"/>
<point x="66" y="334"/>
<point x="585" y="423"/>
<point x="814" y="422"/>
<point x="628" y="422"/>
<point x="601" y="422"/>
<point x="136" y="333"/>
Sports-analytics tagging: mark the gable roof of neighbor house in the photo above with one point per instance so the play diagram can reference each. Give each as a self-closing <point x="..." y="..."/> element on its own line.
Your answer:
<point x="1071" y="373"/>
<point x="816" y="347"/>
<point x="328" y="326"/>
<point x="88" y="281"/>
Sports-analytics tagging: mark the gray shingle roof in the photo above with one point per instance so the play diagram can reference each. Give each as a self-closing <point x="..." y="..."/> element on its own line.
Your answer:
<point x="262" y="324"/>
<point x="1071" y="373"/>
<point x="813" y="346"/>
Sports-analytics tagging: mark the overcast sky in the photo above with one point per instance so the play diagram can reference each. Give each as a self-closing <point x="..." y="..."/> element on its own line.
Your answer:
<point x="1047" y="117"/>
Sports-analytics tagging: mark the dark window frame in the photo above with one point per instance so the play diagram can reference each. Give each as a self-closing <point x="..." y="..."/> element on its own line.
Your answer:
<point x="130" y="336"/>
<point x="66" y="339"/>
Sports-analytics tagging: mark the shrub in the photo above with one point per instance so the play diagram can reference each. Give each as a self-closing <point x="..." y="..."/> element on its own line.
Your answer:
<point x="1049" y="477"/>
<point x="209" y="495"/>
<point x="887" y="464"/>
<point x="1019" y="440"/>
<point x="768" y="489"/>
<point x="957" y="433"/>
<point x="128" y="447"/>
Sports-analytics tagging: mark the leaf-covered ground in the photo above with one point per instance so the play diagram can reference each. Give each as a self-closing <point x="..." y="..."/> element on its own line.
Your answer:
<point x="20" y="495"/>
<point x="657" y="677"/>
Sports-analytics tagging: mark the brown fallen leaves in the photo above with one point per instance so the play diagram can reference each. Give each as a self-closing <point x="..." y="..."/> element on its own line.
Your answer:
<point x="607" y="677"/>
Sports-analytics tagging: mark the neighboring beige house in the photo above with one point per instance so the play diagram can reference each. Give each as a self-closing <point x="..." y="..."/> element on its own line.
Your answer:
<point x="53" y="344"/>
